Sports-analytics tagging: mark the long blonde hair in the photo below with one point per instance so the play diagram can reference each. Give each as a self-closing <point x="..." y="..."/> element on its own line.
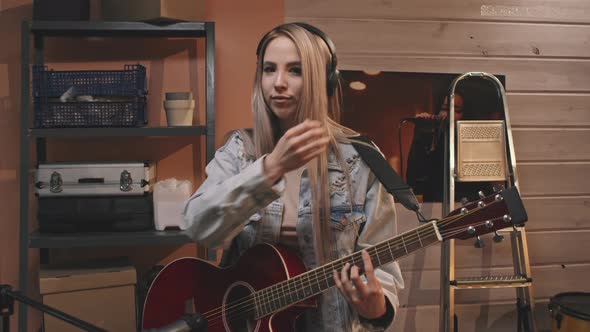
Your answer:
<point x="314" y="104"/>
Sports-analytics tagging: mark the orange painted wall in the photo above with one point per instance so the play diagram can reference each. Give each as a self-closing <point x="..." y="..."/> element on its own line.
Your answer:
<point x="171" y="65"/>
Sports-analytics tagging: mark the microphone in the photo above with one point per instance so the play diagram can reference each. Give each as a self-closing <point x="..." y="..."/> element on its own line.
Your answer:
<point x="434" y="120"/>
<point x="187" y="323"/>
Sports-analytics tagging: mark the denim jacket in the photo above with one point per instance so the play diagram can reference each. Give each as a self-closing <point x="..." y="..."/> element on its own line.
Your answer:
<point x="236" y="187"/>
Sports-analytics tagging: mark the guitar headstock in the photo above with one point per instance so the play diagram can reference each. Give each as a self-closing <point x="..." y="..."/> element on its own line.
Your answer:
<point x="504" y="208"/>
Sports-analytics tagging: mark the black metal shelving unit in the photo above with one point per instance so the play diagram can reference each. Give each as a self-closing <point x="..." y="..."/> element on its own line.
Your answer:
<point x="41" y="29"/>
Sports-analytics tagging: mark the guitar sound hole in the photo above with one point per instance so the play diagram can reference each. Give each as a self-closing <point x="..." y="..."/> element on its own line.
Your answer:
<point x="239" y="312"/>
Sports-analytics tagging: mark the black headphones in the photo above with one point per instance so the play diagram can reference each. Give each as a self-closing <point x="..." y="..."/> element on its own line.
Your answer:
<point x="332" y="74"/>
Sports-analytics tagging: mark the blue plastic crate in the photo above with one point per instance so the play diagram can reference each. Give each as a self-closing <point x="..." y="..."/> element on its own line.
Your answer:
<point x="95" y="98"/>
<point x="129" y="113"/>
<point x="131" y="81"/>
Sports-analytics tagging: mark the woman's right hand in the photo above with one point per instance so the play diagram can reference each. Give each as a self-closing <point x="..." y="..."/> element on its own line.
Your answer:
<point x="295" y="148"/>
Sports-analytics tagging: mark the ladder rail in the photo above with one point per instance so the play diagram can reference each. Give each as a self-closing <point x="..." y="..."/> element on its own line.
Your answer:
<point x="524" y="293"/>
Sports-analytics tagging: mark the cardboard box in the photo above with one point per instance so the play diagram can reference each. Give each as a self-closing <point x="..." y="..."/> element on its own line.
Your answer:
<point x="103" y="296"/>
<point x="156" y="11"/>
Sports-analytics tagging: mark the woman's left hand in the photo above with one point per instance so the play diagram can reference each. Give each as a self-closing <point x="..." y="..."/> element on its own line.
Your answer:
<point x="367" y="299"/>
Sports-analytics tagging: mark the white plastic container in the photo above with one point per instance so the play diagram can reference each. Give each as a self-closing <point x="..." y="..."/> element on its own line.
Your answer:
<point x="169" y="198"/>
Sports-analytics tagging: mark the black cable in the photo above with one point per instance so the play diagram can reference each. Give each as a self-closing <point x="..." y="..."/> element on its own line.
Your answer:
<point x="422" y="219"/>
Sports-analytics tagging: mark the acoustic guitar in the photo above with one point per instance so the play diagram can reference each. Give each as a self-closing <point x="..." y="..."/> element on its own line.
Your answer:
<point x="269" y="287"/>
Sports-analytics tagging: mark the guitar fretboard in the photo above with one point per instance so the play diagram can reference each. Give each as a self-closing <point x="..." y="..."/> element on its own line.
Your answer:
<point x="284" y="294"/>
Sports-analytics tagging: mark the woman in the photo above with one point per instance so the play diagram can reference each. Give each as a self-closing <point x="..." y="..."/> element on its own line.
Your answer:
<point x="302" y="183"/>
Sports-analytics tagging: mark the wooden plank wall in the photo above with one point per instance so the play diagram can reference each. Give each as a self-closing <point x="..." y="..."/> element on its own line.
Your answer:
<point x="543" y="48"/>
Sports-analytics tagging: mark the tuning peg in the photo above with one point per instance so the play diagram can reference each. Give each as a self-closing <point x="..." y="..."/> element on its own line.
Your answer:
<point x="481" y="194"/>
<point x="479" y="243"/>
<point x="464" y="201"/>
<point x="498" y="238"/>
<point x="498" y="187"/>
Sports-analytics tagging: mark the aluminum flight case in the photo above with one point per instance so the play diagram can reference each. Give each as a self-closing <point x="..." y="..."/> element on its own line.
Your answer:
<point x="93" y="179"/>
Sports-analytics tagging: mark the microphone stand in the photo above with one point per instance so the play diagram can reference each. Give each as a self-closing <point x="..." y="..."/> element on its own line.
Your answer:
<point x="399" y="141"/>
<point x="7" y="297"/>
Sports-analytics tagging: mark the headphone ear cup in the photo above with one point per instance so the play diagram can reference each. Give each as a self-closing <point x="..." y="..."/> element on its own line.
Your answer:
<point x="332" y="82"/>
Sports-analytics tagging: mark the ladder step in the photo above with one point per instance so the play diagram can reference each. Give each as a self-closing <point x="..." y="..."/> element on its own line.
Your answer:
<point x="492" y="282"/>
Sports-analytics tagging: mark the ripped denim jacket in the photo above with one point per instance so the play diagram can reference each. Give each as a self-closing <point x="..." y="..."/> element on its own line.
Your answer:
<point x="235" y="187"/>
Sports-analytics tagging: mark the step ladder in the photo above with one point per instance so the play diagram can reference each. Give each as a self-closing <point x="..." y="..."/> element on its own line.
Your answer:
<point x="521" y="280"/>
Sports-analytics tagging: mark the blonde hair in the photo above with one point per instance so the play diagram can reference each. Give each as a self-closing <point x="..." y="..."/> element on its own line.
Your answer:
<point x="314" y="104"/>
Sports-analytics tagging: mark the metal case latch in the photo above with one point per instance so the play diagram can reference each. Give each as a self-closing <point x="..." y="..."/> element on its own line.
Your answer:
<point x="125" y="181"/>
<point x="55" y="183"/>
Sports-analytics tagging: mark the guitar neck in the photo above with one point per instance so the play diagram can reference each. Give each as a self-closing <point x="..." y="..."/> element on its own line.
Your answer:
<point x="318" y="280"/>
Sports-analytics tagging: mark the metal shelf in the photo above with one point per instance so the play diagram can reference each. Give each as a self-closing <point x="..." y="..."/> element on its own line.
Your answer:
<point x="134" y="131"/>
<point x="117" y="29"/>
<point x="107" y="239"/>
<point x="33" y="136"/>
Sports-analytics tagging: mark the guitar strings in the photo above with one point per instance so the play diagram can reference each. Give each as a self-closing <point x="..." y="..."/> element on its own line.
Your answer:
<point x="236" y="308"/>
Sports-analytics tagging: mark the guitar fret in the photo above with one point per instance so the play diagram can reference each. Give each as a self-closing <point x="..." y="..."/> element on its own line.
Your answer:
<point x="268" y="299"/>
<point x="310" y="283"/>
<point x="377" y="255"/>
<point x="285" y="293"/>
<point x="300" y="293"/>
<point x="288" y="284"/>
<point x="304" y="285"/>
<point x="256" y="308"/>
<point x="293" y="291"/>
<point x="267" y="302"/>
<point x="271" y="299"/>
<point x="284" y="296"/>
<point x="310" y="292"/>
<point x="420" y="240"/>
<point x="261" y="303"/>
<point x="281" y="295"/>
<point x="404" y="243"/>
<point x="314" y="280"/>
<point x="282" y="299"/>
<point x="385" y="253"/>
<point x="390" y="251"/>
<point x="276" y="297"/>
<point x="317" y="280"/>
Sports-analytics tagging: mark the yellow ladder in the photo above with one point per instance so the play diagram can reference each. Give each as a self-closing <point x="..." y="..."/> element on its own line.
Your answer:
<point x="521" y="280"/>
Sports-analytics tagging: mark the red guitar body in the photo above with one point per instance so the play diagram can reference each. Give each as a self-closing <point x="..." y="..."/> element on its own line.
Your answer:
<point x="206" y="288"/>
